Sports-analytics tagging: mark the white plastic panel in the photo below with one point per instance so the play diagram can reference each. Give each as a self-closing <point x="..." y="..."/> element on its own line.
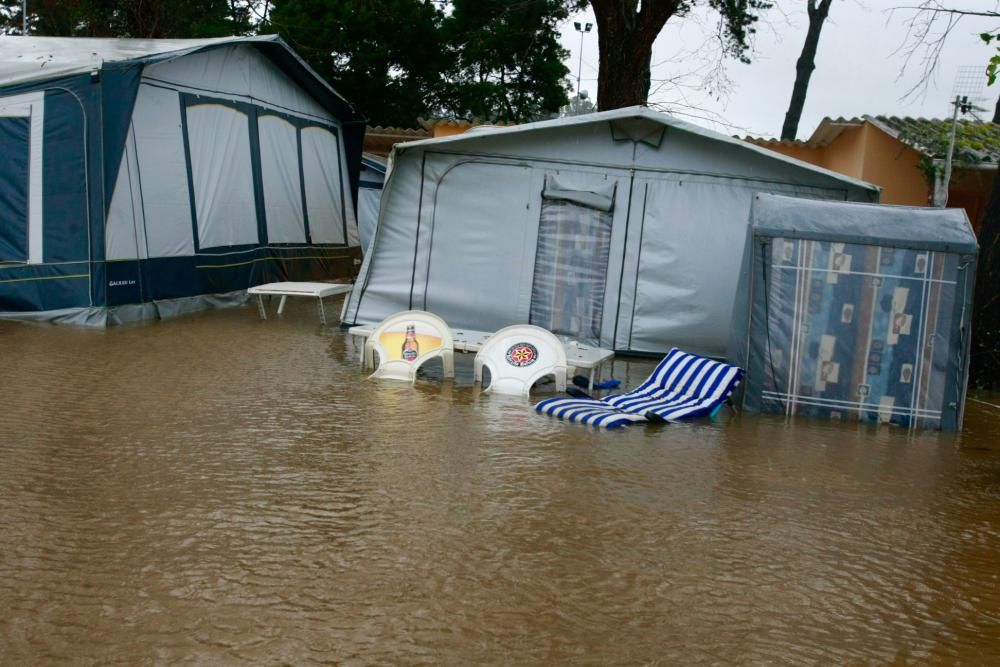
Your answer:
<point x="322" y="176"/>
<point x="279" y="166"/>
<point x="162" y="173"/>
<point x="219" y="142"/>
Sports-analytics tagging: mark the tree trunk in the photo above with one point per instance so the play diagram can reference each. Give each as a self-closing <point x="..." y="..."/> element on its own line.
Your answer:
<point x="985" y="362"/>
<point x="625" y="38"/>
<point x="804" y="67"/>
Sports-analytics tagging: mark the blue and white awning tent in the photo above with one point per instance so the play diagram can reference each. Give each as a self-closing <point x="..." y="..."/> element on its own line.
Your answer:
<point x="851" y="311"/>
<point x="142" y="178"/>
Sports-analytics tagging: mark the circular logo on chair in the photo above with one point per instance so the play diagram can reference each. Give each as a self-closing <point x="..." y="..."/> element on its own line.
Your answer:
<point x="522" y="354"/>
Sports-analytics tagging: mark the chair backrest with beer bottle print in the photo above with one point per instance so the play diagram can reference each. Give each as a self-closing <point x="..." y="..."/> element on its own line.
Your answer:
<point x="519" y="356"/>
<point x="405" y="341"/>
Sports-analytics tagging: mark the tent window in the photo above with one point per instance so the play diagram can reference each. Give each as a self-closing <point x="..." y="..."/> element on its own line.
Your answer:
<point x="322" y="181"/>
<point x="14" y="182"/>
<point x="222" y="176"/>
<point x="279" y="165"/>
<point x="571" y="265"/>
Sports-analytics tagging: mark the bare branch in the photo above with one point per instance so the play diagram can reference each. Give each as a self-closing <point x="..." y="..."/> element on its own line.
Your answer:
<point x="928" y="27"/>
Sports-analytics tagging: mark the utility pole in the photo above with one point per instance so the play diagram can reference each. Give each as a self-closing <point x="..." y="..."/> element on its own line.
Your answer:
<point x="582" y="29"/>
<point x="24" y="17"/>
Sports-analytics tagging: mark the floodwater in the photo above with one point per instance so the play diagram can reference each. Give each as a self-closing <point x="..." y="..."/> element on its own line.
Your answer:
<point x="217" y="489"/>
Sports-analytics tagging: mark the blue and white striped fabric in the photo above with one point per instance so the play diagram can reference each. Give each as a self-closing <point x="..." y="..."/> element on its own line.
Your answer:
<point x="683" y="386"/>
<point x="587" y="411"/>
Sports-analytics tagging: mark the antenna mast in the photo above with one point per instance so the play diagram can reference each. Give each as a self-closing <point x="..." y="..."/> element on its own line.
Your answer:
<point x="969" y="85"/>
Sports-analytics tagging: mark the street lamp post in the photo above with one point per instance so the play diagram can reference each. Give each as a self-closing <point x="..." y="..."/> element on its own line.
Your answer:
<point x="582" y="29"/>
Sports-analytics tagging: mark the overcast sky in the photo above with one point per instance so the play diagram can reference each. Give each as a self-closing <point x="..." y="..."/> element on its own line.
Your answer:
<point x="857" y="67"/>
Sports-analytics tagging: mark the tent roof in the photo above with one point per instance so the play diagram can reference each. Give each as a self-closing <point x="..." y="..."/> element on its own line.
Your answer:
<point x="638" y="123"/>
<point x="29" y="59"/>
<point x="374" y="162"/>
<point x="944" y="229"/>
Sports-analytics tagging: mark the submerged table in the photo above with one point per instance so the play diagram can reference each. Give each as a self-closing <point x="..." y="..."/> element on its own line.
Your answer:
<point x="578" y="355"/>
<point x="285" y="290"/>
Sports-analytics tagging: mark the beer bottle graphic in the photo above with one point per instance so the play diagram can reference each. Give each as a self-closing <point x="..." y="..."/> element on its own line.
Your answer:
<point x="411" y="349"/>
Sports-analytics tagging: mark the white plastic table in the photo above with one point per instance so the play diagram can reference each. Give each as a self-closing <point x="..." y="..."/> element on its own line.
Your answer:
<point x="285" y="290"/>
<point x="580" y="356"/>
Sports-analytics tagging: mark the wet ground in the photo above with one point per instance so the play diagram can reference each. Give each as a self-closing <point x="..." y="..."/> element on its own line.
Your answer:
<point x="219" y="489"/>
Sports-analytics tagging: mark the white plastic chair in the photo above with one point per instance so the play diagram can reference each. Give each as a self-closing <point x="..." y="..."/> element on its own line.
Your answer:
<point x="406" y="341"/>
<point x="518" y="356"/>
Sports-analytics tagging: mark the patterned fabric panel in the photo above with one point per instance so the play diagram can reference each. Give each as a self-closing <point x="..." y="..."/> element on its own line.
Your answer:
<point x="571" y="265"/>
<point x="858" y="332"/>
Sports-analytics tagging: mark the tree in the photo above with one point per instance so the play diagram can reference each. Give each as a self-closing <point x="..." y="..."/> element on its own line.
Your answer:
<point x="386" y="56"/>
<point x="929" y="26"/>
<point x="400" y="59"/>
<point x="508" y="64"/>
<point x="128" y="18"/>
<point x="627" y="29"/>
<point x="818" y="11"/>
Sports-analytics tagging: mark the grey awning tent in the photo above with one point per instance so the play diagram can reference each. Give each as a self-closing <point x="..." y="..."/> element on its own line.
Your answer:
<point x="856" y="312"/>
<point x="373" y="170"/>
<point x="148" y="177"/>
<point x="623" y="228"/>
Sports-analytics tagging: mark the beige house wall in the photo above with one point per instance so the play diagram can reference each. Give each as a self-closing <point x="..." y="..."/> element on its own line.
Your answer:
<point x="868" y="153"/>
<point x="895" y="167"/>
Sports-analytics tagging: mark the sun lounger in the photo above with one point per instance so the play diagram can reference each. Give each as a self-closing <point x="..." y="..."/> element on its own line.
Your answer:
<point x="683" y="386"/>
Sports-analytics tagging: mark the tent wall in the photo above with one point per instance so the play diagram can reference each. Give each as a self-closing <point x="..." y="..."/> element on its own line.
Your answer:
<point x="66" y="195"/>
<point x="458" y="233"/>
<point x="871" y="327"/>
<point x="98" y="198"/>
<point x="231" y="175"/>
<point x="369" y="196"/>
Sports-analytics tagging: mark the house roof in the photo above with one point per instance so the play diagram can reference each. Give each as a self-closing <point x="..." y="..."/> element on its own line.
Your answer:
<point x="638" y="123"/>
<point x="976" y="141"/>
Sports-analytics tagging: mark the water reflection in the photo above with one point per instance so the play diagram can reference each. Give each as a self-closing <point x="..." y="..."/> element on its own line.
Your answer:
<point x="221" y="489"/>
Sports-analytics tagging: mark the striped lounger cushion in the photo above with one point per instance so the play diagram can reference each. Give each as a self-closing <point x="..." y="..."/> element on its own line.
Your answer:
<point x="683" y="386"/>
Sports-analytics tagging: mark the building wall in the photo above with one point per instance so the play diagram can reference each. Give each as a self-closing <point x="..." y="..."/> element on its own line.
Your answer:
<point x="889" y="163"/>
<point x="846" y="154"/>
<point x="870" y="154"/>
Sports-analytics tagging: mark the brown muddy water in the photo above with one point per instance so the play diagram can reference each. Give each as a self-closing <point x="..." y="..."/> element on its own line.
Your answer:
<point x="221" y="490"/>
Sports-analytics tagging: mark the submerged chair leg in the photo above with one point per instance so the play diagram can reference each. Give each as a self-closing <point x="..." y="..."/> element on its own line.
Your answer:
<point x="448" y="361"/>
<point x="260" y="307"/>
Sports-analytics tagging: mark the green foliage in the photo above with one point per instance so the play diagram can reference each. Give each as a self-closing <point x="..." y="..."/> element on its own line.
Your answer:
<point x="737" y="21"/>
<point x="386" y="56"/>
<point x="506" y="61"/>
<point x="128" y="18"/>
<point x="994" y="62"/>
<point x="400" y="59"/>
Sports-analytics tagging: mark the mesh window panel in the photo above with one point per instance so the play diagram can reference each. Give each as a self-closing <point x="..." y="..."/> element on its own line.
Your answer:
<point x="571" y="265"/>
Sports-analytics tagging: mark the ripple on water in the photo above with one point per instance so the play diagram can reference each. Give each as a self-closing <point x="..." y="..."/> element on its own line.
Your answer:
<point x="221" y="489"/>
